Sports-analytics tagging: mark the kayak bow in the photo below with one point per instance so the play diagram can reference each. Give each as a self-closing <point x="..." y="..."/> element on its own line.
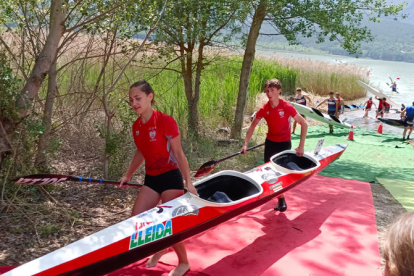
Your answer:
<point x="222" y="196"/>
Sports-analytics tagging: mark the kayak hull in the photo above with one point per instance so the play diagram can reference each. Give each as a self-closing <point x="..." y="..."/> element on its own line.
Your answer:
<point x="377" y="93"/>
<point x="392" y="122"/>
<point x="319" y="116"/>
<point x="223" y="196"/>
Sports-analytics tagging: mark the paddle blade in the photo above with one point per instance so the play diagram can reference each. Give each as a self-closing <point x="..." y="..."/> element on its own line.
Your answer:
<point x="205" y="168"/>
<point x="41" y="179"/>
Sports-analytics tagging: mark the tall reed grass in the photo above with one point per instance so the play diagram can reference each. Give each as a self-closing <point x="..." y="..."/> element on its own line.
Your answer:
<point x="319" y="77"/>
<point x="220" y="82"/>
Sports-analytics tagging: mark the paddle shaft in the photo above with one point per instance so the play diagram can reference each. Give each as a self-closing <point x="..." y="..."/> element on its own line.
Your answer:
<point x="102" y="181"/>
<point x="209" y="166"/>
<point x="240" y="152"/>
<point x="43" y="179"/>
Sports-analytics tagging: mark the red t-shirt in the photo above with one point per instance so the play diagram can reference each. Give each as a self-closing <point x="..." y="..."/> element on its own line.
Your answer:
<point x="381" y="104"/>
<point x="152" y="140"/>
<point x="369" y="104"/>
<point x="278" y="120"/>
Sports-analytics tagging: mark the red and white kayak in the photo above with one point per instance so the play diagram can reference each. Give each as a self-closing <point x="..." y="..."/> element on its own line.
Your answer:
<point x="222" y="196"/>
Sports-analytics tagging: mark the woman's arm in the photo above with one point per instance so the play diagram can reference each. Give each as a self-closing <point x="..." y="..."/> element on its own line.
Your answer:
<point x="249" y="134"/>
<point x="303" y="131"/>
<point x="135" y="163"/>
<point x="182" y="163"/>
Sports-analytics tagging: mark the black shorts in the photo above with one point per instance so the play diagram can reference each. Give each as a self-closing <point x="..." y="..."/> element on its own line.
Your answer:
<point x="387" y="109"/>
<point x="409" y="122"/>
<point x="380" y="110"/>
<point x="271" y="148"/>
<point x="171" y="180"/>
<point x="368" y="109"/>
<point x="331" y="113"/>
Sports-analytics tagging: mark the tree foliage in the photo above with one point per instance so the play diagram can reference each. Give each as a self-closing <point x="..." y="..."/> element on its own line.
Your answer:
<point x="332" y="20"/>
<point x="339" y="20"/>
<point x="185" y="30"/>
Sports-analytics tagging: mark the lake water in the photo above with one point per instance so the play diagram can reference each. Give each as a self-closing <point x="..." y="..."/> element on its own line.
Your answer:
<point x="380" y="72"/>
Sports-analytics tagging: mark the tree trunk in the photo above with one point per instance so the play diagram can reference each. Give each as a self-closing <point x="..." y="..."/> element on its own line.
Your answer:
<point x="106" y="154"/>
<point x="192" y="97"/>
<point x="191" y="103"/>
<point x="247" y="65"/>
<point x="42" y="146"/>
<point x="7" y="128"/>
<point x="37" y="76"/>
<point x="46" y="56"/>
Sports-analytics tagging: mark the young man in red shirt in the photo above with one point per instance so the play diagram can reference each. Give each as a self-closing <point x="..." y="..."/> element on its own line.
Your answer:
<point x="278" y="115"/>
<point x="158" y="142"/>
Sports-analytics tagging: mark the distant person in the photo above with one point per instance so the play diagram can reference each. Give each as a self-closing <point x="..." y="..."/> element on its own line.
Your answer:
<point x="341" y="106"/>
<point x="398" y="246"/>
<point x="332" y="107"/>
<point x="368" y="104"/>
<point x="300" y="99"/>
<point x="278" y="115"/>
<point x="408" y="112"/>
<point x="394" y="87"/>
<point x="380" y="110"/>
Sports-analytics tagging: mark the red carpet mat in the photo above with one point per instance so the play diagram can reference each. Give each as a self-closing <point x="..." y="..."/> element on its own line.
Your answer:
<point x="328" y="229"/>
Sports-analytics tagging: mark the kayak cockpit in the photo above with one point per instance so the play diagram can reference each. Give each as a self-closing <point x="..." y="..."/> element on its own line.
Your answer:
<point x="288" y="161"/>
<point x="227" y="187"/>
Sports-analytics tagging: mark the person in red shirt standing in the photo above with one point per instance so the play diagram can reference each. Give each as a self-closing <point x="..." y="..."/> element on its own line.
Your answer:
<point x="381" y="107"/>
<point x="368" y="104"/>
<point x="278" y="114"/>
<point x="158" y="142"/>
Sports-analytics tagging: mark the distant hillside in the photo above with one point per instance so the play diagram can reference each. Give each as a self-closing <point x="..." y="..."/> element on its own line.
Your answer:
<point x="393" y="40"/>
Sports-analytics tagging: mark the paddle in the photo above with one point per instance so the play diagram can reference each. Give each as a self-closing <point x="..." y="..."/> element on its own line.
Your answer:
<point x="44" y="179"/>
<point x="209" y="166"/>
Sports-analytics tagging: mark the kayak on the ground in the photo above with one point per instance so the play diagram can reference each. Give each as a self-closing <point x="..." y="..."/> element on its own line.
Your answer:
<point x="353" y="107"/>
<point x="392" y="122"/>
<point x="222" y="196"/>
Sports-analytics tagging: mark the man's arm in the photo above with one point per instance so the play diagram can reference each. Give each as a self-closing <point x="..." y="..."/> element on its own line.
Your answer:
<point x="309" y="99"/>
<point x="321" y="103"/>
<point x="303" y="131"/>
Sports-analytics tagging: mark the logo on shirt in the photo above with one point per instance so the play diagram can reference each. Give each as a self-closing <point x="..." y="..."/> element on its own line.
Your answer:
<point x="152" y="135"/>
<point x="137" y="132"/>
<point x="281" y="113"/>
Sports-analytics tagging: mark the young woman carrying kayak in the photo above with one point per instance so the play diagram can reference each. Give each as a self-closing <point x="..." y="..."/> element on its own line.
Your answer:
<point x="278" y="114"/>
<point x="158" y="142"/>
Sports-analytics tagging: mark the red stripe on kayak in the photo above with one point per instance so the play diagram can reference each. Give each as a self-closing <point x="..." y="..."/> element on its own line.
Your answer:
<point x="92" y="257"/>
